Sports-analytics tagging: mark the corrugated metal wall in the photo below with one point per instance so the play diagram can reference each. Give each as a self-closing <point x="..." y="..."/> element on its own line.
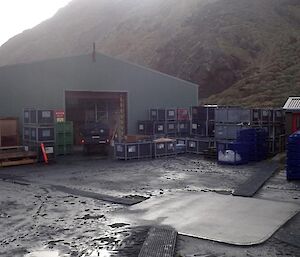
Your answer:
<point x="43" y="85"/>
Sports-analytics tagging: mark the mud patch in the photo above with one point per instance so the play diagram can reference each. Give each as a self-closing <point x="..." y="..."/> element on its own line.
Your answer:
<point x="91" y="217"/>
<point x="118" y="225"/>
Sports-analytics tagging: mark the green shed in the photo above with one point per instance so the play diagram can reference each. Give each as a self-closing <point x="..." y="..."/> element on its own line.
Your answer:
<point x="89" y="87"/>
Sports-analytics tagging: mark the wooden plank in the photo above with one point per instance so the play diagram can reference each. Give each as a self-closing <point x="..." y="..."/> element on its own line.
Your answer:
<point x="4" y="148"/>
<point x="17" y="163"/>
<point x="17" y="155"/>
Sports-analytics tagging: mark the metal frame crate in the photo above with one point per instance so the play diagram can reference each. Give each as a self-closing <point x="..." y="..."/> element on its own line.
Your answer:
<point x="183" y="114"/>
<point x="39" y="133"/>
<point x="171" y="114"/>
<point x="130" y="151"/>
<point x="145" y="127"/>
<point x="227" y="131"/>
<point x="184" y="128"/>
<point x="34" y="116"/>
<point x="181" y="145"/>
<point x="36" y="147"/>
<point x="199" y="145"/>
<point x="159" y="128"/>
<point x="234" y="115"/>
<point x="172" y="128"/>
<point x="158" y="114"/>
<point x="164" y="148"/>
<point x="203" y="113"/>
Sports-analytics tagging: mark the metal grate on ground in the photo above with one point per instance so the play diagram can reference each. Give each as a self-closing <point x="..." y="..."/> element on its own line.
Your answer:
<point x="160" y="242"/>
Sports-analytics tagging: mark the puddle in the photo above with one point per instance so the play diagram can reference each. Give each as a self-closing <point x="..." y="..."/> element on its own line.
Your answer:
<point x="44" y="253"/>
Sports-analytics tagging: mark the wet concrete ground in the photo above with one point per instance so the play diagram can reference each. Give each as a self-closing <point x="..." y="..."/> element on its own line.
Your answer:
<point x="35" y="216"/>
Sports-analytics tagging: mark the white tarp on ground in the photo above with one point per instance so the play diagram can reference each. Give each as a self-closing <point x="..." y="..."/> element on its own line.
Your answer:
<point x="223" y="218"/>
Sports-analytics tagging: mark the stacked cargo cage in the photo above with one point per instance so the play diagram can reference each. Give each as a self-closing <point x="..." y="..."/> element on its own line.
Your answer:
<point x="201" y="129"/>
<point x="293" y="157"/>
<point x="137" y="150"/>
<point x="64" y="138"/>
<point x="203" y="120"/>
<point x="171" y="122"/>
<point x="164" y="147"/>
<point x="229" y="121"/>
<point x="272" y="121"/>
<point x="38" y="128"/>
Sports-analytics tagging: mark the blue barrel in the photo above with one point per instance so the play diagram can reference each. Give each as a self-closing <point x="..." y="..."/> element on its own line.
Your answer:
<point x="293" y="157"/>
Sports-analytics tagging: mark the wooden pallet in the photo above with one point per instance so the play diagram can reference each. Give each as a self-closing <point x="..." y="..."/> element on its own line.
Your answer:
<point x="14" y="156"/>
<point x="11" y="148"/>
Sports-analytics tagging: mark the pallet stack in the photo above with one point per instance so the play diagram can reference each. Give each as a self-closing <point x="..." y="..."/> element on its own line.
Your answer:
<point x="39" y="128"/>
<point x="16" y="155"/>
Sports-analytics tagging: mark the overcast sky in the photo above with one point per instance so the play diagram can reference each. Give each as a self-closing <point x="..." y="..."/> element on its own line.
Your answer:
<point x="19" y="15"/>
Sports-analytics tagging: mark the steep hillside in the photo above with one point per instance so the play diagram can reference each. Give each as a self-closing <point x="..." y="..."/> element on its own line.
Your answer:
<point x="239" y="51"/>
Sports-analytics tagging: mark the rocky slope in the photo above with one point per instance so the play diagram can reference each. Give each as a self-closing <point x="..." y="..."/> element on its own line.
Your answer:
<point x="238" y="51"/>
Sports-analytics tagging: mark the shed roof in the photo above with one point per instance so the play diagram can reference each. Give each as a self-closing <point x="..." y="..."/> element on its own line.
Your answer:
<point x="292" y="104"/>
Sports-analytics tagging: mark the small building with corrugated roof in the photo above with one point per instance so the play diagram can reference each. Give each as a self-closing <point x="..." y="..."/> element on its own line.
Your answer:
<point x="292" y="110"/>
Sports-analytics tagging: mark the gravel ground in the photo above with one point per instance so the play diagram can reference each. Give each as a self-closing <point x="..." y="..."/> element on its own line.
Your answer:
<point x="35" y="217"/>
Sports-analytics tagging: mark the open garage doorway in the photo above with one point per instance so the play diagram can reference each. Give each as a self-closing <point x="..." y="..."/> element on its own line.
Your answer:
<point x="97" y="106"/>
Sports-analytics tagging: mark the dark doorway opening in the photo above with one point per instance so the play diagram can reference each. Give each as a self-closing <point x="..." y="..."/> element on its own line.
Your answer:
<point x="87" y="106"/>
